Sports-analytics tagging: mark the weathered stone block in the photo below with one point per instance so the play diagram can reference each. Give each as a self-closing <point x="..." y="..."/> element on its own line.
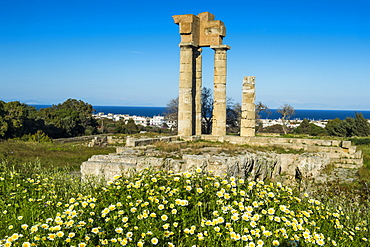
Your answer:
<point x="346" y="144"/>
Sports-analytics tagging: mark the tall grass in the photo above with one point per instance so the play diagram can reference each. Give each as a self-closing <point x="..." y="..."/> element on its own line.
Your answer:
<point x="66" y="156"/>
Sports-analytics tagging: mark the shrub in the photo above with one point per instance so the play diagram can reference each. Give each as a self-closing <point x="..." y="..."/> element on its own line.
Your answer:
<point x="39" y="136"/>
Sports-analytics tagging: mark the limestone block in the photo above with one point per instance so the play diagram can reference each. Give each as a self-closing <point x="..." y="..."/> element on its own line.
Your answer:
<point x="335" y="143"/>
<point x="206" y="16"/>
<point x="346" y="144"/>
<point x="186" y="27"/>
<point x="358" y="155"/>
<point x="352" y="149"/>
<point x="184" y="18"/>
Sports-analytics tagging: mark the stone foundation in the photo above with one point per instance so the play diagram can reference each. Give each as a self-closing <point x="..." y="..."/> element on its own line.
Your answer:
<point x="319" y="155"/>
<point x="247" y="166"/>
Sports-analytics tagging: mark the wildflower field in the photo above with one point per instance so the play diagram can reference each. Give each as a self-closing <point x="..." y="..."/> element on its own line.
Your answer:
<point x="54" y="208"/>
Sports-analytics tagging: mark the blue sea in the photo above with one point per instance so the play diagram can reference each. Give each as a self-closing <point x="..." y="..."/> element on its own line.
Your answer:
<point x="299" y="114"/>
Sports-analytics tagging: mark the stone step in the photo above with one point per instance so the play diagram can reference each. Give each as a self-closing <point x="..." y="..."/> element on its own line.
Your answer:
<point x="113" y="159"/>
<point x="337" y="155"/>
<point x="105" y="164"/>
<point x="347" y="161"/>
<point x="298" y="141"/>
<point x="347" y="166"/>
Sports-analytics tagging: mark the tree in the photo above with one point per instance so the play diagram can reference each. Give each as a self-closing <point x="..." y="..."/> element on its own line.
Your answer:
<point x="171" y="113"/>
<point x="286" y="111"/>
<point x="3" y="123"/>
<point x="19" y="119"/>
<point x="233" y="116"/>
<point x="131" y="127"/>
<point x="207" y="110"/>
<point x="70" y="118"/>
<point x="260" y="107"/>
<point x="276" y="128"/>
<point x="309" y="128"/>
<point x="362" y="126"/>
<point x="348" y="127"/>
<point x="332" y="127"/>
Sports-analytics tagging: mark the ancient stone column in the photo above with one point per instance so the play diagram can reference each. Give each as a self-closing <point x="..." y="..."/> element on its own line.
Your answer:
<point x="198" y="91"/>
<point x="219" y="91"/>
<point x="248" y="120"/>
<point x="186" y="102"/>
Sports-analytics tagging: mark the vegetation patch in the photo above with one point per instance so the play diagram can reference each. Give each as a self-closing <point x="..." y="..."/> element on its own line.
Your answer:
<point x="66" y="155"/>
<point x="166" y="209"/>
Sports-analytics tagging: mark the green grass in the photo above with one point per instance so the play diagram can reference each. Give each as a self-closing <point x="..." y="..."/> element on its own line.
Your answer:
<point x="67" y="155"/>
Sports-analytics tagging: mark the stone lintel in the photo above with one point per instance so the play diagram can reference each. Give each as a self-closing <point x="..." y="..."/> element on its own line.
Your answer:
<point x="188" y="18"/>
<point x="224" y="47"/>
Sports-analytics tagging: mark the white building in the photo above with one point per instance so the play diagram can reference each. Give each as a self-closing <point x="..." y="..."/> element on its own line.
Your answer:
<point x="157" y="121"/>
<point x="144" y="121"/>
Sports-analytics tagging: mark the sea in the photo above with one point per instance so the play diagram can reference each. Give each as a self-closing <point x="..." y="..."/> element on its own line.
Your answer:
<point x="299" y="114"/>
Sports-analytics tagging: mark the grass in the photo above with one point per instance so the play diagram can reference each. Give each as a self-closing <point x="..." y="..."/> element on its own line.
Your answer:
<point x="222" y="147"/>
<point x="68" y="155"/>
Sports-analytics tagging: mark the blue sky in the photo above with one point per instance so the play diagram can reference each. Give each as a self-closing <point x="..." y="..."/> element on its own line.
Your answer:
<point x="309" y="54"/>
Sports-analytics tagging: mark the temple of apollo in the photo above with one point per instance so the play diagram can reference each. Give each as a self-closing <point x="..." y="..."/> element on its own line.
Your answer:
<point x="199" y="31"/>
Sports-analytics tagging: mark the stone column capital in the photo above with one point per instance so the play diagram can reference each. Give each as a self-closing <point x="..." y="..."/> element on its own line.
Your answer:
<point x="220" y="47"/>
<point x="192" y="44"/>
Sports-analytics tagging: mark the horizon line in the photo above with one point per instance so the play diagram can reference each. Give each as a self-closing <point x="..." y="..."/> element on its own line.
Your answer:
<point x="308" y="109"/>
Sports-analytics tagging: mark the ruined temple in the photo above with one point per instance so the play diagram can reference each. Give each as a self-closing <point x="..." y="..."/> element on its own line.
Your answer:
<point x="197" y="31"/>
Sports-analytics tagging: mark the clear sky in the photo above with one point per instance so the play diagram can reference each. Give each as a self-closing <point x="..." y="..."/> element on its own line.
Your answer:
<point x="311" y="54"/>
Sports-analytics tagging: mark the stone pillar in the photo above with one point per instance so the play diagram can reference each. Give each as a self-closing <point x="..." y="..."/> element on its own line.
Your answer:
<point x="186" y="90"/>
<point x="198" y="91"/>
<point x="248" y="120"/>
<point x="219" y="91"/>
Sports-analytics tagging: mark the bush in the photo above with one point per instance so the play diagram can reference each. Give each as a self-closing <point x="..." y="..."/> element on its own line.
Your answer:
<point x="39" y="136"/>
<point x="360" y="141"/>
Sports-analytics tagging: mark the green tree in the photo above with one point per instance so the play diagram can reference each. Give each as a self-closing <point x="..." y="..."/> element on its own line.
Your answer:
<point x="309" y="128"/>
<point x="276" y="128"/>
<point x="3" y="122"/>
<point x="19" y="119"/>
<point x="362" y="126"/>
<point x="303" y="128"/>
<point x="348" y="127"/>
<point x="131" y="127"/>
<point x="316" y="130"/>
<point x="332" y="127"/>
<point x="70" y="118"/>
